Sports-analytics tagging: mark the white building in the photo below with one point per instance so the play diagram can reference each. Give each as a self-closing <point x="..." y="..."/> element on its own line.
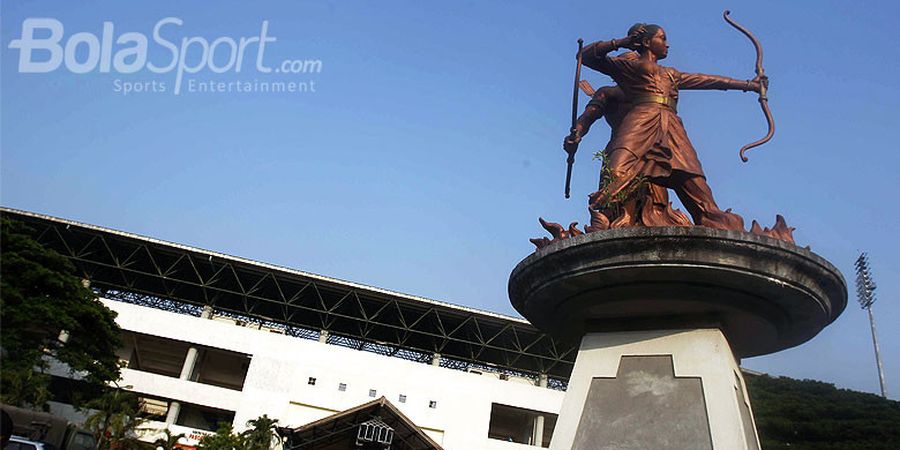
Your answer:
<point x="210" y="338"/>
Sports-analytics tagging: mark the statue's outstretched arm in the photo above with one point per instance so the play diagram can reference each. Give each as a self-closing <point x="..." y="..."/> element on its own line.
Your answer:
<point x="704" y="81"/>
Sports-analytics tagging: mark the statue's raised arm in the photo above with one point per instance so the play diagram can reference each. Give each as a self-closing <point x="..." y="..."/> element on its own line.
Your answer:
<point x="596" y="55"/>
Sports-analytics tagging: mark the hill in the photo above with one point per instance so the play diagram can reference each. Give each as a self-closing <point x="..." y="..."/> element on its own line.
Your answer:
<point x="794" y="414"/>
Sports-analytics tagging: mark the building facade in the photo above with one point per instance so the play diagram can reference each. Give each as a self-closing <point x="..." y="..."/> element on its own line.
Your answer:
<point x="210" y="338"/>
<point x="199" y="371"/>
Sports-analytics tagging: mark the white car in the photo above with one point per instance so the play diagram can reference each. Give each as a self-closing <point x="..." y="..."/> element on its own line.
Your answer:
<point x="20" y="443"/>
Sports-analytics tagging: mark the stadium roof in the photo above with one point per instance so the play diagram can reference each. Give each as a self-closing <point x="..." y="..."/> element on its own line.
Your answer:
<point x="144" y="270"/>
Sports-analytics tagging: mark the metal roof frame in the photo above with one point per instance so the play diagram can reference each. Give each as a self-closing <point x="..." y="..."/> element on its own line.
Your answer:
<point x="129" y="267"/>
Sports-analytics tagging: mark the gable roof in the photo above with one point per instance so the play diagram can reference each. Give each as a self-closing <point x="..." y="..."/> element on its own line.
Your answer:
<point x="344" y="425"/>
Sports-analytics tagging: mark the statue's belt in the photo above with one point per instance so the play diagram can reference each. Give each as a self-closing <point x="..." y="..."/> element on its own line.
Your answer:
<point x="658" y="99"/>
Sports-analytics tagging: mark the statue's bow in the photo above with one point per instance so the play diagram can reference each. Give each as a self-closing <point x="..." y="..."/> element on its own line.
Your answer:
<point x="764" y="86"/>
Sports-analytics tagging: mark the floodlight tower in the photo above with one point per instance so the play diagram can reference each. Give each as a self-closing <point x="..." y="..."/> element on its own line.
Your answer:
<point x="865" y="292"/>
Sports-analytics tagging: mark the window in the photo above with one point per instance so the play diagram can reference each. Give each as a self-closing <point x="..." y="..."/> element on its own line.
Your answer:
<point x="373" y="393"/>
<point x="374" y="431"/>
<point x="222" y="368"/>
<point x="82" y="441"/>
<point x="311" y="381"/>
<point x="153" y="354"/>
<point x="511" y="424"/>
<point x="402" y="398"/>
<point x="153" y="409"/>
<point x="15" y="445"/>
<point x="432" y="404"/>
<point x="163" y="356"/>
<point x="203" y="417"/>
<point x="342" y="387"/>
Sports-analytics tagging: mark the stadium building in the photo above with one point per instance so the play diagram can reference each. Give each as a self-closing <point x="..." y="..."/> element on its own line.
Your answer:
<point x="210" y="338"/>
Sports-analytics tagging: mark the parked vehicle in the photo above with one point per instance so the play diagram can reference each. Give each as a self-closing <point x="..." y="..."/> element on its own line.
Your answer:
<point x="34" y="430"/>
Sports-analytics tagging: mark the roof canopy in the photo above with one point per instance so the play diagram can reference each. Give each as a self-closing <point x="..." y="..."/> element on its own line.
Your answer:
<point x="135" y="268"/>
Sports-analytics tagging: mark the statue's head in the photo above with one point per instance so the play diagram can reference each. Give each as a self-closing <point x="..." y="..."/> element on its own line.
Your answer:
<point x="650" y="38"/>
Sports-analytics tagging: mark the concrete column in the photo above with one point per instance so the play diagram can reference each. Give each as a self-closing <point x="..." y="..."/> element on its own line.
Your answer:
<point x="190" y="363"/>
<point x="436" y="359"/>
<point x="323" y="336"/>
<point x="172" y="415"/>
<point x="187" y="369"/>
<point x="538" y="433"/>
<point x="537" y="436"/>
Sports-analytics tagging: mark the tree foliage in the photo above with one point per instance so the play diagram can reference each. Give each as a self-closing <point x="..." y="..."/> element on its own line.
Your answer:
<point x="260" y="435"/>
<point x="168" y="440"/>
<point x="224" y="439"/>
<point x="23" y="386"/>
<point x="115" y="420"/>
<point x="793" y="414"/>
<point x="40" y="296"/>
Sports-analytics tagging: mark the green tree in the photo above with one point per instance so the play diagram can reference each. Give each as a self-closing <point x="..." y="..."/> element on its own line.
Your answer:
<point x="812" y="415"/>
<point x="40" y="296"/>
<point x="23" y="386"/>
<point x="115" y="419"/>
<point x="261" y="435"/>
<point x="168" y="441"/>
<point x="224" y="439"/>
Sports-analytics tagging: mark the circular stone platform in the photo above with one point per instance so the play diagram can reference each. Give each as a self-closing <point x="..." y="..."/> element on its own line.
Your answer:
<point x="765" y="294"/>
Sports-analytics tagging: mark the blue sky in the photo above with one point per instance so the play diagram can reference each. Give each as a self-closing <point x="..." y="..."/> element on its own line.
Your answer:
<point x="432" y="141"/>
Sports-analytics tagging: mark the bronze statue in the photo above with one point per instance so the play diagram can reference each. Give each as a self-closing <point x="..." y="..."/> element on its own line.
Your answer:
<point x="650" y="146"/>
<point x="611" y="102"/>
<point x="649" y="151"/>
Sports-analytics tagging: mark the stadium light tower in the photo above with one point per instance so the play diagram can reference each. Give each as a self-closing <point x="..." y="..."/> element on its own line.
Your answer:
<point x="865" y="293"/>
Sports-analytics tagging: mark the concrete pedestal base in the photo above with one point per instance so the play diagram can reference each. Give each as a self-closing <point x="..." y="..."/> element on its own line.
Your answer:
<point x="655" y="390"/>
<point x="653" y="308"/>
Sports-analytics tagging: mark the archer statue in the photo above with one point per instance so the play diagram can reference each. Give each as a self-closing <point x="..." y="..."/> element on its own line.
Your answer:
<point x="649" y="151"/>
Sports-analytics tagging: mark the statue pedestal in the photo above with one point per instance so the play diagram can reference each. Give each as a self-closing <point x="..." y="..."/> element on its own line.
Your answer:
<point x="664" y="316"/>
<point x="655" y="390"/>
